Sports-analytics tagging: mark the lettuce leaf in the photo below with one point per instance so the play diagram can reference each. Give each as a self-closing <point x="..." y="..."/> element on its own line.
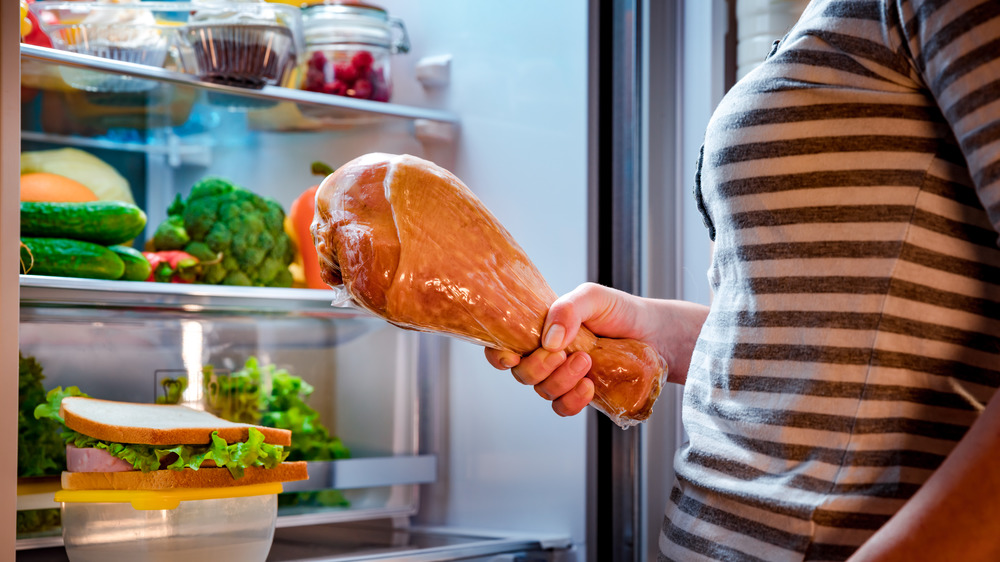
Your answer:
<point x="40" y="451"/>
<point x="236" y="456"/>
<point x="50" y="409"/>
<point x="286" y="407"/>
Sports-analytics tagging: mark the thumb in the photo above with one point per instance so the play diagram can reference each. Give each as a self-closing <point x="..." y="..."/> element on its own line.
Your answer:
<point x="589" y="304"/>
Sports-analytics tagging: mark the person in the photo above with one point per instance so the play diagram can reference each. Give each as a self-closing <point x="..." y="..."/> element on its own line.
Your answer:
<point x="839" y="393"/>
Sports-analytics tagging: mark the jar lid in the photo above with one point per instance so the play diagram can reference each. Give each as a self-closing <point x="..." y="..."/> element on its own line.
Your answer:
<point x="166" y="499"/>
<point x="348" y="7"/>
<point x="352" y="21"/>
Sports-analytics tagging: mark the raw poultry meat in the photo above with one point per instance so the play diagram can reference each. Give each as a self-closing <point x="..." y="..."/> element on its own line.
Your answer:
<point x="408" y="241"/>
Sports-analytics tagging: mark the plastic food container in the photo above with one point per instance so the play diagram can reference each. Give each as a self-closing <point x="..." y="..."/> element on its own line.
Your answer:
<point x="219" y="524"/>
<point x="348" y="46"/>
<point x="129" y="33"/>
<point x="244" y="44"/>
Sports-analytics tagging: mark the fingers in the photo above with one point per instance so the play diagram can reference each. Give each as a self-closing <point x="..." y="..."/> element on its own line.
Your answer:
<point x="574" y="401"/>
<point x="554" y="376"/>
<point x="538" y="366"/>
<point x="565" y="377"/>
<point x="502" y="360"/>
<point x="559" y="379"/>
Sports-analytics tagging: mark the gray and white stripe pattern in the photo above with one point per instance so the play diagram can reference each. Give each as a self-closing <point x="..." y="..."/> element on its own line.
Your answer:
<point x="852" y="182"/>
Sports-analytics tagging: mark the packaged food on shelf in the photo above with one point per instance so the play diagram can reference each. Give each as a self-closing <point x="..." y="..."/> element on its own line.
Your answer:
<point x="31" y="31"/>
<point x="348" y="49"/>
<point x="125" y="32"/>
<point x="248" y="44"/>
<point x="96" y="113"/>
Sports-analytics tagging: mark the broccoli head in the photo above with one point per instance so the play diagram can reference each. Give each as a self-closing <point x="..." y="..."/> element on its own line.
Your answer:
<point x="171" y="234"/>
<point x="241" y="231"/>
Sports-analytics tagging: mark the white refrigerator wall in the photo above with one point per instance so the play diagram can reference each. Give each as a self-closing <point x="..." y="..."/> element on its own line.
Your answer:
<point x="519" y="85"/>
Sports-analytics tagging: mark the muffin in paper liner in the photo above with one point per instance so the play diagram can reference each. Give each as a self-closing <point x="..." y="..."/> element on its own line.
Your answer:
<point x="242" y="55"/>
<point x="246" y="44"/>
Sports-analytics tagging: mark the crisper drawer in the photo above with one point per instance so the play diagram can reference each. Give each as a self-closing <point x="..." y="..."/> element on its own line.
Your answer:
<point x="146" y="342"/>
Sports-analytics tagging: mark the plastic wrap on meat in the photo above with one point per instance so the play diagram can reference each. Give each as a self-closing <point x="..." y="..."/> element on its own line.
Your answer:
<point x="408" y="241"/>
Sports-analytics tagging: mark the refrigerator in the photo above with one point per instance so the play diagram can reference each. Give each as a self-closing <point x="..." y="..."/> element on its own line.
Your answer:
<point x="576" y="123"/>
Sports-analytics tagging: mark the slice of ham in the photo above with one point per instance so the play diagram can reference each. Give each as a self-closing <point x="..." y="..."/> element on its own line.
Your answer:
<point x="93" y="460"/>
<point x="98" y="460"/>
<point x="408" y="241"/>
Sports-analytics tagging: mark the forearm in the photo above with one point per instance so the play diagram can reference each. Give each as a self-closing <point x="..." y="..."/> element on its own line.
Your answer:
<point x="677" y="326"/>
<point x="955" y="515"/>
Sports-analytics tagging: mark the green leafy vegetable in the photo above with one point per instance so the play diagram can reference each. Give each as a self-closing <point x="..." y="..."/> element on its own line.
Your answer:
<point x="173" y="388"/>
<point x="40" y="451"/>
<point x="234" y="397"/>
<point x="32" y="521"/>
<point x="239" y="229"/>
<point x="50" y="408"/>
<point x="284" y="407"/>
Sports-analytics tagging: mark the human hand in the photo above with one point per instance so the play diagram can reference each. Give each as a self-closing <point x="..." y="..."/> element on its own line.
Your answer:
<point x="556" y="370"/>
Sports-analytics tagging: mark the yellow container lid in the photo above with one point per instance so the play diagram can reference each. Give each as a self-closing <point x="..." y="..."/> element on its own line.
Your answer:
<point x="165" y="499"/>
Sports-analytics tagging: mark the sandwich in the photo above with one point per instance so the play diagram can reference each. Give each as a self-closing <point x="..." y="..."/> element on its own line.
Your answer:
<point x="133" y="446"/>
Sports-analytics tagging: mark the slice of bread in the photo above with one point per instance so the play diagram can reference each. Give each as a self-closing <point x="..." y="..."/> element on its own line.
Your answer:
<point x="186" y="478"/>
<point x="156" y="424"/>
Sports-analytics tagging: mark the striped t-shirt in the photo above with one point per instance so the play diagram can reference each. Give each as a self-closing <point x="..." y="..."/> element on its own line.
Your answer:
<point x="852" y="185"/>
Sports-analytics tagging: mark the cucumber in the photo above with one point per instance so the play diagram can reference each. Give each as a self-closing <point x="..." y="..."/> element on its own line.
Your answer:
<point x="101" y="222"/>
<point x="63" y="257"/>
<point x="137" y="267"/>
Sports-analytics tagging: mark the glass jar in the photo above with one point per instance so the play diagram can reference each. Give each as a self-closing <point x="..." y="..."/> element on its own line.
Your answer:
<point x="348" y="47"/>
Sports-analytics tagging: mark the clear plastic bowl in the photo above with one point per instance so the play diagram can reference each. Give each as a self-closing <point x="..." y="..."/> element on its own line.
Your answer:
<point x="243" y="55"/>
<point x="219" y="529"/>
<point x="139" y="45"/>
<point x="122" y="32"/>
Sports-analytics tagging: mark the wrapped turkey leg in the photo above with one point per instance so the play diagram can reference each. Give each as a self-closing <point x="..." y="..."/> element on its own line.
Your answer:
<point x="408" y="241"/>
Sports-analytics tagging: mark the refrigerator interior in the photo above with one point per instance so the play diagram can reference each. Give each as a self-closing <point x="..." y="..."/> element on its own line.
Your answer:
<point x="463" y="461"/>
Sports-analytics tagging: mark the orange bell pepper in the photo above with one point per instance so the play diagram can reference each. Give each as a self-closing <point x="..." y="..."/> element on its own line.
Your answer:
<point x="301" y="213"/>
